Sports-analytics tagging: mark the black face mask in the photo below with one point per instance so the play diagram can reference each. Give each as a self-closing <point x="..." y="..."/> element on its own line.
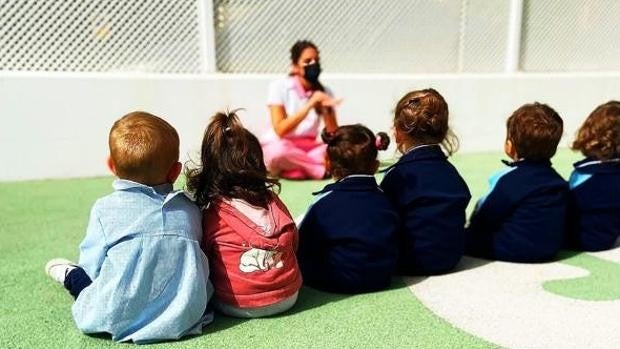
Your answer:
<point x="312" y="72"/>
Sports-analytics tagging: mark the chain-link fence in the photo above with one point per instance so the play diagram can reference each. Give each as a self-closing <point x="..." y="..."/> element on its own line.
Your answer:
<point x="354" y="36"/>
<point x="363" y="36"/>
<point x="100" y="36"/>
<point x="571" y="35"/>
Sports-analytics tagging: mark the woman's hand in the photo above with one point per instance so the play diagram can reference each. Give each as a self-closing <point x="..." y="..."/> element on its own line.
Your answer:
<point x="324" y="105"/>
<point x="318" y="99"/>
<point x="322" y="99"/>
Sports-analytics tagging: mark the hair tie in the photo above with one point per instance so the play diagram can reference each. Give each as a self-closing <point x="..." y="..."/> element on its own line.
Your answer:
<point x="378" y="142"/>
<point x="327" y="137"/>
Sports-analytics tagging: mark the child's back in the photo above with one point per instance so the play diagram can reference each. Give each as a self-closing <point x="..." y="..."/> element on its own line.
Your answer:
<point x="594" y="205"/>
<point x="249" y="235"/>
<point x="522" y="218"/>
<point x="426" y="189"/>
<point x="252" y="252"/>
<point x="347" y="238"/>
<point x="142" y="275"/>
<point x="594" y="198"/>
<point x="149" y="275"/>
<point x="431" y="197"/>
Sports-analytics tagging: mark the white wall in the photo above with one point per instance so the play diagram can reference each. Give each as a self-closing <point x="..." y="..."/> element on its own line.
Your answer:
<point x="56" y="125"/>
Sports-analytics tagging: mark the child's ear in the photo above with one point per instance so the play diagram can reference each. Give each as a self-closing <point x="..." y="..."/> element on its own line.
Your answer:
<point x="398" y="139"/>
<point x="395" y="134"/>
<point x="111" y="166"/>
<point x="509" y="149"/>
<point x="174" y="172"/>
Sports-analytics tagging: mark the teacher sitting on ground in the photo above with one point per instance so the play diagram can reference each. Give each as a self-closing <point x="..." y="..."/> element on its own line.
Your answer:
<point x="297" y="104"/>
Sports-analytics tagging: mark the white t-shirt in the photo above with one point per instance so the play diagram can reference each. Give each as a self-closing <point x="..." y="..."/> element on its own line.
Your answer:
<point x="289" y="93"/>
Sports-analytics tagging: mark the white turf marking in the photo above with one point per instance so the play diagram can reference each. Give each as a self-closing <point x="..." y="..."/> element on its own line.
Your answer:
<point x="505" y="304"/>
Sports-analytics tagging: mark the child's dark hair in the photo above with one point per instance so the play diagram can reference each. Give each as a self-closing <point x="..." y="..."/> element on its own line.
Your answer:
<point x="232" y="164"/>
<point x="599" y="136"/>
<point x="299" y="47"/>
<point x="352" y="149"/>
<point x="535" y="131"/>
<point x="423" y="116"/>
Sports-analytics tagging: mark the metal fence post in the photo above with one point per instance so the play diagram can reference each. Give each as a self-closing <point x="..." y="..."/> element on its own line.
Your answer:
<point x="513" y="44"/>
<point x="207" y="36"/>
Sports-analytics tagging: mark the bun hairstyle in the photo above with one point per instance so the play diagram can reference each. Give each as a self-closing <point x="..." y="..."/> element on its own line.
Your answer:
<point x="353" y="149"/>
<point x="599" y="136"/>
<point x="232" y="164"/>
<point x="423" y="116"/>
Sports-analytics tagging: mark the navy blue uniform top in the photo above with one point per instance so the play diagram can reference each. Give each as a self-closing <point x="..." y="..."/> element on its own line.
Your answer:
<point x="522" y="218"/>
<point x="431" y="198"/>
<point x="347" y="238"/>
<point x="594" y="205"/>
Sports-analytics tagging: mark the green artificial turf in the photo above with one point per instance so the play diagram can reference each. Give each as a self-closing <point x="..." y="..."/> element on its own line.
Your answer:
<point x="601" y="284"/>
<point x="40" y="220"/>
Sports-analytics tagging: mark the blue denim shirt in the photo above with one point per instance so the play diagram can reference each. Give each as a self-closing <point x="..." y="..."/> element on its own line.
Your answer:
<point x="150" y="276"/>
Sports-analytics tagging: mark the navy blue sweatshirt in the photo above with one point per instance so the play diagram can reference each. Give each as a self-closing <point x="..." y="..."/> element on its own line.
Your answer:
<point x="594" y="205"/>
<point x="522" y="218"/>
<point x="431" y="198"/>
<point x="347" y="238"/>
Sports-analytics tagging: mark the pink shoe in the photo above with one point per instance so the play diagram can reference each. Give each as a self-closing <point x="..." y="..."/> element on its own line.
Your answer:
<point x="293" y="174"/>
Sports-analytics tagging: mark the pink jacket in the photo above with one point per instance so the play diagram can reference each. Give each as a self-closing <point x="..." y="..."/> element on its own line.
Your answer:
<point x="249" y="268"/>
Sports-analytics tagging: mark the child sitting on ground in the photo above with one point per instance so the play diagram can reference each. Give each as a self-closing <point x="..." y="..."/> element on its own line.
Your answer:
<point x="249" y="235"/>
<point x="426" y="189"/>
<point x="141" y="275"/>
<point x="594" y="196"/>
<point x="347" y="237"/>
<point x="522" y="218"/>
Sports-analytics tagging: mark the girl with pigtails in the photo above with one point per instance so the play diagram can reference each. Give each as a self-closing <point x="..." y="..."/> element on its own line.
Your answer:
<point x="249" y="235"/>
<point x="347" y="237"/>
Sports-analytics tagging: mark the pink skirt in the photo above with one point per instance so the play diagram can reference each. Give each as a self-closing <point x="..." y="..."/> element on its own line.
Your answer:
<point x="295" y="158"/>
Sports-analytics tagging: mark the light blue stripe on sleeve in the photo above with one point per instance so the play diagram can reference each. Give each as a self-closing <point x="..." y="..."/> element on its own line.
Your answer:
<point x="493" y="182"/>
<point x="577" y="178"/>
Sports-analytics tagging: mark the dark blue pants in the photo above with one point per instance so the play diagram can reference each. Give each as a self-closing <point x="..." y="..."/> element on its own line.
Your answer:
<point x="76" y="281"/>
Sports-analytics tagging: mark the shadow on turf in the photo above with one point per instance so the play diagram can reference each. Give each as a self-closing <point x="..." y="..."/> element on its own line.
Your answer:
<point x="108" y="337"/>
<point x="308" y="298"/>
<point x="466" y="263"/>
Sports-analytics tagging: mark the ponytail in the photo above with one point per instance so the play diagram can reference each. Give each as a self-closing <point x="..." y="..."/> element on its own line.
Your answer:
<point x="232" y="164"/>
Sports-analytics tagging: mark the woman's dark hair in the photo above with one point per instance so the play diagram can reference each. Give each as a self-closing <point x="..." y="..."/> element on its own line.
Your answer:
<point x="599" y="136"/>
<point x="296" y="51"/>
<point x="423" y="116"/>
<point x="232" y="165"/>
<point x="299" y="47"/>
<point x="352" y="149"/>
